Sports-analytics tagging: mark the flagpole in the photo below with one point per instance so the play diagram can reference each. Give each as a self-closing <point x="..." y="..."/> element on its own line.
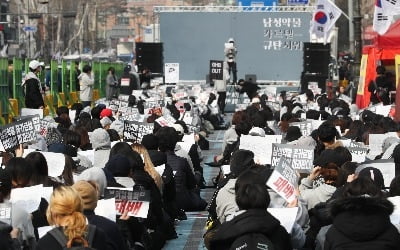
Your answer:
<point x="357" y="38"/>
<point x="351" y="27"/>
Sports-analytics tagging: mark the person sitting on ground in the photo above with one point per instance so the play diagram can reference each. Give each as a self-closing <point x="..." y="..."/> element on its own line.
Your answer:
<point x="252" y="226"/>
<point x="65" y="212"/>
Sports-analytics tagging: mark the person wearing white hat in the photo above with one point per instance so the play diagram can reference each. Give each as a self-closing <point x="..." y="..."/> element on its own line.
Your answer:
<point x="230" y="57"/>
<point x="32" y="87"/>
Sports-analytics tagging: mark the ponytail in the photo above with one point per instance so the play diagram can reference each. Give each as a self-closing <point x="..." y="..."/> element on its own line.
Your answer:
<point x="75" y="228"/>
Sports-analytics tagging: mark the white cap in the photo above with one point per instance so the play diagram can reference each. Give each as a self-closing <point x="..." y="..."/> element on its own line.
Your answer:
<point x="256" y="131"/>
<point x="34" y="64"/>
<point x="231" y="40"/>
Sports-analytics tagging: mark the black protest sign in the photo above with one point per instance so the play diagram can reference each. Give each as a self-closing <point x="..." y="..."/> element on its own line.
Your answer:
<point x="216" y="70"/>
<point x="134" y="130"/>
<point x="19" y="132"/>
<point x="301" y="157"/>
<point x="306" y="127"/>
<point x="135" y="202"/>
<point x="278" y="151"/>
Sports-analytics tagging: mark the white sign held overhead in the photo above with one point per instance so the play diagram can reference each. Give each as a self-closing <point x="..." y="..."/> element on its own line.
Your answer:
<point x="171" y="72"/>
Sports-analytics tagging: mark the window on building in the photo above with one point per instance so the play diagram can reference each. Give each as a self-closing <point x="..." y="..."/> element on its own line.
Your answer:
<point x="123" y="20"/>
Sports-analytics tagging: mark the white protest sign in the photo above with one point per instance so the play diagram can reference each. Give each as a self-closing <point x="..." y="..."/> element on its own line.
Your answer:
<point x="135" y="131"/>
<point x="395" y="216"/>
<point x="387" y="168"/>
<point x="88" y="154"/>
<point x="286" y="216"/>
<point x="27" y="198"/>
<point x="163" y="122"/>
<point x="106" y="208"/>
<point x="358" y="154"/>
<point x="171" y="72"/>
<point x="306" y="127"/>
<point x="55" y="163"/>
<point x="5" y="212"/>
<point x="226" y="169"/>
<point x="283" y="180"/>
<point x="42" y="231"/>
<point x="125" y="82"/>
<point x="260" y="146"/>
<point x="47" y="191"/>
<point x="72" y="115"/>
<point x="383" y="110"/>
<point x="316" y="124"/>
<point x="30" y="112"/>
<point x="376" y="142"/>
<point x="136" y="203"/>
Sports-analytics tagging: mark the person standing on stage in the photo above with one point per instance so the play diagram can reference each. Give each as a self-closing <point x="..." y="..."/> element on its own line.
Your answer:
<point x="230" y="57"/>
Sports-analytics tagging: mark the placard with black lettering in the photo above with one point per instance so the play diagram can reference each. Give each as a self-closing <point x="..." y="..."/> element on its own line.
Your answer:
<point x="358" y="154"/>
<point x="283" y="180"/>
<point x="19" y="132"/>
<point x="386" y="166"/>
<point x="134" y="131"/>
<point x="136" y="203"/>
<point x="306" y="127"/>
<point x="216" y="70"/>
<point x="301" y="157"/>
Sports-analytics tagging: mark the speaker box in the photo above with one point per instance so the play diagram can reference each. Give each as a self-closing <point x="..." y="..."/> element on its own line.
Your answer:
<point x="250" y="77"/>
<point x="306" y="78"/>
<point x="150" y="55"/>
<point x="316" y="58"/>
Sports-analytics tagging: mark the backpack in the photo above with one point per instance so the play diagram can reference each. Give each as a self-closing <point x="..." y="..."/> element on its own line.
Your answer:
<point x="252" y="241"/>
<point x="62" y="240"/>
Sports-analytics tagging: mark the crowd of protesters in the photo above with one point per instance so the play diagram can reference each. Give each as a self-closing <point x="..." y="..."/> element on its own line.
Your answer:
<point x="340" y="206"/>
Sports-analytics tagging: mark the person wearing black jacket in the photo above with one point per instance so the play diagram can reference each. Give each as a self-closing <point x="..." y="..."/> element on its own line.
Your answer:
<point x="127" y="82"/>
<point x="248" y="87"/>
<point x="186" y="195"/>
<point x="380" y="88"/>
<point x="253" y="219"/>
<point x="32" y="87"/>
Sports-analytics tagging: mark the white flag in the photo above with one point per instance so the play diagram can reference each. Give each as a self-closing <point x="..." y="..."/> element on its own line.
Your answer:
<point x="324" y="18"/>
<point x="383" y="14"/>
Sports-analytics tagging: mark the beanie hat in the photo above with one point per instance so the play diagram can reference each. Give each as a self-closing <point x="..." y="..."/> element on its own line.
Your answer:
<point x="105" y="121"/>
<point x="105" y="113"/>
<point x="374" y="174"/>
<point x="119" y="166"/>
<point x="241" y="160"/>
<point x="94" y="174"/>
<point x="99" y="138"/>
<point x="88" y="194"/>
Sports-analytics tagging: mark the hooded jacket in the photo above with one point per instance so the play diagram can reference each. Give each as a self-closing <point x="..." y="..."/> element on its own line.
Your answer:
<point x="251" y="221"/>
<point x="362" y="223"/>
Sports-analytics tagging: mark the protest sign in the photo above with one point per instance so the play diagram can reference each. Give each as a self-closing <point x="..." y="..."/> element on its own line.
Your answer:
<point x="260" y="146"/>
<point x="136" y="203"/>
<point x="386" y="166"/>
<point x="376" y="142"/>
<point x="283" y="180"/>
<point x="27" y="198"/>
<point x="287" y="216"/>
<point x="358" y="154"/>
<point x="135" y="131"/>
<point x="32" y="112"/>
<point x="306" y="127"/>
<point x="301" y="157"/>
<point x="19" y="132"/>
<point x="171" y="72"/>
<point x="5" y="212"/>
<point x="216" y="70"/>
<point x="106" y="208"/>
